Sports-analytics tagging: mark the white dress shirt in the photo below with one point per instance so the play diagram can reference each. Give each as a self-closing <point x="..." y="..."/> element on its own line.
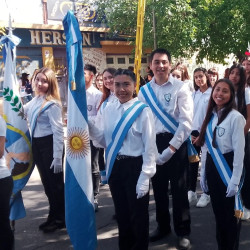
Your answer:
<point x="200" y="107"/>
<point x="140" y="139"/>
<point x="48" y="122"/>
<point x="176" y="99"/>
<point x="4" y="171"/>
<point x="247" y="95"/>
<point x="230" y="138"/>
<point x="93" y="96"/>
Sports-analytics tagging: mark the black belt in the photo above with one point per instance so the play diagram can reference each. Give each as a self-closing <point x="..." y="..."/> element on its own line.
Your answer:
<point x="164" y="134"/>
<point x="122" y="157"/>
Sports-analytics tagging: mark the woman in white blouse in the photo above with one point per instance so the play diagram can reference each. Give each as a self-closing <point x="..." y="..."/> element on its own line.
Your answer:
<point x="44" y="114"/>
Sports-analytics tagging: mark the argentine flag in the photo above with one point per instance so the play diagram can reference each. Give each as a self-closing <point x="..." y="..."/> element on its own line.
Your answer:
<point x="80" y="214"/>
<point x="18" y="144"/>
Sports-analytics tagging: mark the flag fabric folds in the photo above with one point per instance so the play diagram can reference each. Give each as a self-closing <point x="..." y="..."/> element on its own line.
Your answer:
<point x="79" y="207"/>
<point x="18" y="142"/>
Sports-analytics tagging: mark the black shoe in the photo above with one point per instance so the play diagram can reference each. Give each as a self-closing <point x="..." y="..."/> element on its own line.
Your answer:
<point x="183" y="243"/>
<point x="45" y="224"/>
<point x="50" y="228"/>
<point x="96" y="205"/>
<point x="158" y="234"/>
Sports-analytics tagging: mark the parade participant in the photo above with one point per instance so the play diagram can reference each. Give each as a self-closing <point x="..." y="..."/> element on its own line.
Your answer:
<point x="44" y="113"/>
<point x="6" y="185"/>
<point x="176" y="73"/>
<point x="242" y="99"/>
<point x="201" y="97"/>
<point x="172" y="104"/>
<point x="246" y="64"/>
<point x="93" y="96"/>
<point x="25" y="88"/>
<point x="213" y="76"/>
<point x="99" y="81"/>
<point x="185" y="76"/>
<point x="128" y="135"/>
<point x="223" y="134"/>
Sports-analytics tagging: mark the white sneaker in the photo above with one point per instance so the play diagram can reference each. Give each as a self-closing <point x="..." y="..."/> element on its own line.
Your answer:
<point x="192" y="197"/>
<point x="203" y="201"/>
<point x="246" y="214"/>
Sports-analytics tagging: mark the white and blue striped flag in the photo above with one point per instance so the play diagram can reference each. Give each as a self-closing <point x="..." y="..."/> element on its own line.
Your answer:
<point x="18" y="143"/>
<point x="80" y="214"/>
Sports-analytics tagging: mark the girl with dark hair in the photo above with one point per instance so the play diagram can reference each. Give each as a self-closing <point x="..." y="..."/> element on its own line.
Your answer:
<point x="213" y="75"/>
<point x="201" y="97"/>
<point x="238" y="78"/>
<point x="222" y="138"/>
<point x="128" y="134"/>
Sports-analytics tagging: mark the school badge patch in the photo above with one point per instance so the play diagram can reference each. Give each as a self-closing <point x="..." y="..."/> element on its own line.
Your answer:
<point x="167" y="98"/>
<point x="221" y="131"/>
<point x="89" y="107"/>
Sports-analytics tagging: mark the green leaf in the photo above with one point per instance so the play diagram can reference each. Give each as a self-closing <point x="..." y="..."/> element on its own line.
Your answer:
<point x="16" y="99"/>
<point x="11" y="92"/>
<point x="7" y="98"/>
<point x="15" y="109"/>
<point x="12" y="104"/>
<point x="20" y="105"/>
<point x="5" y="91"/>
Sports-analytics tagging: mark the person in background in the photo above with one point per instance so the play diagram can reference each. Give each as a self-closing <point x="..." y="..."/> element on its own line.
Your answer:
<point x="238" y="77"/>
<point x="185" y="76"/>
<point x="134" y="160"/>
<point x="6" y="186"/>
<point x="93" y="96"/>
<point x="176" y="73"/>
<point x="142" y="81"/>
<point x="201" y="97"/>
<point x="99" y="81"/>
<point x="246" y="64"/>
<point x="44" y="113"/>
<point x="222" y="161"/>
<point x="213" y="75"/>
<point x="173" y="100"/>
<point x="25" y="88"/>
<point x="150" y="76"/>
<point x="32" y="81"/>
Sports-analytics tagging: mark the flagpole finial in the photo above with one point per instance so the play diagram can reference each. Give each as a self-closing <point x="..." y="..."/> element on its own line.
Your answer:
<point x="73" y="85"/>
<point x="10" y="26"/>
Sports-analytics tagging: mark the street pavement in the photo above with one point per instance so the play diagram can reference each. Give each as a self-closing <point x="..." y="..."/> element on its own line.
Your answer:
<point x="28" y="237"/>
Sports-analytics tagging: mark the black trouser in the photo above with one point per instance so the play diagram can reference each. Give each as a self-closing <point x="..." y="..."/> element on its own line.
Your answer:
<point x="132" y="213"/>
<point x="174" y="171"/>
<point x="245" y="191"/>
<point x="6" y="234"/>
<point x="227" y="225"/>
<point x="101" y="160"/>
<point x="193" y="168"/>
<point x="95" y="168"/>
<point x="42" y="148"/>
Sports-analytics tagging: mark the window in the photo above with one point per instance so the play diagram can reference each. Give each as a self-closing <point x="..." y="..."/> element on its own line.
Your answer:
<point x="110" y="60"/>
<point x="121" y="60"/>
<point x="131" y="60"/>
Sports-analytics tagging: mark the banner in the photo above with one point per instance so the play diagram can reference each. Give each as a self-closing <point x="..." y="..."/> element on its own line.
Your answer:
<point x="18" y="143"/>
<point x="79" y="198"/>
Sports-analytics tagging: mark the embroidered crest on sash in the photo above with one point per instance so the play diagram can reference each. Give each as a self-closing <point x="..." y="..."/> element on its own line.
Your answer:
<point x="221" y="131"/>
<point x="167" y="97"/>
<point x="89" y="107"/>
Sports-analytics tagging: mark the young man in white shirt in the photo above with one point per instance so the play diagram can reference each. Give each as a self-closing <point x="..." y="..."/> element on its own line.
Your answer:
<point x="93" y="96"/>
<point x="175" y="99"/>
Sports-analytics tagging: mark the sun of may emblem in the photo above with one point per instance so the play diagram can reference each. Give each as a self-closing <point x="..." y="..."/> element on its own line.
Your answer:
<point x="77" y="143"/>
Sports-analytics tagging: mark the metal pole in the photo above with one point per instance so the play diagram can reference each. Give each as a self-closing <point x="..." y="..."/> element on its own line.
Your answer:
<point x="74" y="7"/>
<point x="10" y="26"/>
<point x="154" y="29"/>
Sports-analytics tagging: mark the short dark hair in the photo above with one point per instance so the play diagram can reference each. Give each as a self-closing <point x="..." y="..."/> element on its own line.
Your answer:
<point x="91" y="68"/>
<point x="160" y="51"/>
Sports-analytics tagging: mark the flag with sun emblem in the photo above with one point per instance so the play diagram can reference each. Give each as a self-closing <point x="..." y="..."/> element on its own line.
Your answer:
<point x="18" y="143"/>
<point x="80" y="214"/>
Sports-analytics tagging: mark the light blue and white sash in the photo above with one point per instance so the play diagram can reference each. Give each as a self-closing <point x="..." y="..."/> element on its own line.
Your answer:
<point x="36" y="113"/>
<point x="120" y="133"/>
<point x="167" y="120"/>
<point x="222" y="167"/>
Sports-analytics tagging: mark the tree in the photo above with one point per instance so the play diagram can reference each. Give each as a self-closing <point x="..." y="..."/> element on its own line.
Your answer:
<point x="213" y="29"/>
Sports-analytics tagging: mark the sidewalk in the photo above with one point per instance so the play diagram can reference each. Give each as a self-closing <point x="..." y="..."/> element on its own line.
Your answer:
<point x="28" y="237"/>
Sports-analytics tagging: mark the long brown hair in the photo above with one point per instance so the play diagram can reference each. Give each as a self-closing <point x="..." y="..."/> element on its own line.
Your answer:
<point x="106" y="91"/>
<point x="211" y="105"/>
<point x="53" y="90"/>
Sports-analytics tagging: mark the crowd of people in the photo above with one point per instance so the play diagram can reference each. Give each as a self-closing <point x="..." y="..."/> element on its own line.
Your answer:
<point x="150" y="137"/>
